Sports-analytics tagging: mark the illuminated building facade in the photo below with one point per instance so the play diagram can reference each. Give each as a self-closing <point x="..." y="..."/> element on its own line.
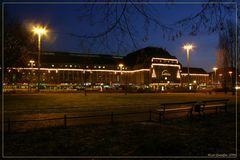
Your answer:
<point x="151" y="66"/>
<point x="198" y="76"/>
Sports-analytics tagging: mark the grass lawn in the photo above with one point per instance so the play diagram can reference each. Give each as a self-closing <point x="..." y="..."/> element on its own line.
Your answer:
<point x="213" y="134"/>
<point x="209" y="135"/>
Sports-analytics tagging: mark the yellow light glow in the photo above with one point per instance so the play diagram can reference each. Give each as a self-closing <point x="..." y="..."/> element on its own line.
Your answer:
<point x="121" y="65"/>
<point x="31" y="61"/>
<point x="230" y="72"/>
<point x="194" y="74"/>
<point x="168" y="65"/>
<point x="39" y="30"/>
<point x="215" y="68"/>
<point x="167" y="59"/>
<point x="84" y="70"/>
<point x="188" y="46"/>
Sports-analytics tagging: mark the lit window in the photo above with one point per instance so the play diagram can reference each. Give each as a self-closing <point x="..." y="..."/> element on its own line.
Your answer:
<point x="70" y="65"/>
<point x="65" y="65"/>
<point x="99" y="66"/>
<point x="103" y="67"/>
<point x="75" y="66"/>
<point x="95" y="66"/>
<point x="162" y="88"/>
<point x="165" y="78"/>
<point x="52" y="65"/>
<point x="86" y="66"/>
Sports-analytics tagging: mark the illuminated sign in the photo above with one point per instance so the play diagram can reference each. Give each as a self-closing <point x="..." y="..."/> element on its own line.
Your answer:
<point x="166" y="73"/>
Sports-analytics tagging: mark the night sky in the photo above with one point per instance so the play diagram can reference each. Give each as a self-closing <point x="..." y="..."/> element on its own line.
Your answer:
<point x="64" y="18"/>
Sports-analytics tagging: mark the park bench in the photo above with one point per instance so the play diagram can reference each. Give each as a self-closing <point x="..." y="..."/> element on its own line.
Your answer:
<point x="220" y="104"/>
<point x="175" y="107"/>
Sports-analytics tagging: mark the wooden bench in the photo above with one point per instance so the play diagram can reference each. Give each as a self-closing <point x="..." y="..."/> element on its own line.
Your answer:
<point x="179" y="107"/>
<point x="212" y="104"/>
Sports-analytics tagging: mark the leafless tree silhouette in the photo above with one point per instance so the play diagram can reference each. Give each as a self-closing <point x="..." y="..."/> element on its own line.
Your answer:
<point x="128" y="23"/>
<point x="227" y="44"/>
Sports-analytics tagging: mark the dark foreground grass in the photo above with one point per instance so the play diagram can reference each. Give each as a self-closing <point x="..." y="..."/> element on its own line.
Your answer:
<point x="212" y="134"/>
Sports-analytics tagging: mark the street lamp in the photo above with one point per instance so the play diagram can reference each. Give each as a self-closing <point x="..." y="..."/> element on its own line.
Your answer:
<point x="215" y="71"/>
<point x="40" y="31"/>
<point x="188" y="47"/>
<point x="121" y="66"/>
<point x="31" y="65"/>
<point x="231" y="80"/>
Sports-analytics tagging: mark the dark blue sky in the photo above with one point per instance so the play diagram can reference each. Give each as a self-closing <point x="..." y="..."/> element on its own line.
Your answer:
<point x="64" y="18"/>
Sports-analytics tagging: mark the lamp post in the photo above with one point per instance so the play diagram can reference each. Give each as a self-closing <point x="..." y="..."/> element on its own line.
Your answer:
<point x="231" y="81"/>
<point x="188" y="47"/>
<point x="31" y="64"/>
<point x="121" y="66"/>
<point x="40" y="31"/>
<point x="85" y="83"/>
<point x="215" y="71"/>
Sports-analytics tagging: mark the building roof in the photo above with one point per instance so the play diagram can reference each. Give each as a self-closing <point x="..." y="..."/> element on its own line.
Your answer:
<point x="143" y="56"/>
<point x="76" y="58"/>
<point x="193" y="70"/>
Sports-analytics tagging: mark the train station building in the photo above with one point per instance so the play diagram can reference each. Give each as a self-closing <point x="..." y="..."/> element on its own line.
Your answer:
<point x="149" y="67"/>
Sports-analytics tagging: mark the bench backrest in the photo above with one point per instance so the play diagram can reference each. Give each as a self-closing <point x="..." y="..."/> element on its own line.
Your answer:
<point x="178" y="103"/>
<point x="216" y="101"/>
<point x="164" y="105"/>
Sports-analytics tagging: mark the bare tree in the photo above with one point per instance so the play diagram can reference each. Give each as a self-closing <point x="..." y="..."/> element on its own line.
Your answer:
<point x="128" y="23"/>
<point x="18" y="42"/>
<point x="227" y="44"/>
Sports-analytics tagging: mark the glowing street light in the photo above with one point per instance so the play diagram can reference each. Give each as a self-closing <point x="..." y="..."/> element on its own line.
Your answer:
<point x="121" y="67"/>
<point x="188" y="47"/>
<point x="215" y="71"/>
<point x="31" y="64"/>
<point x="40" y="31"/>
<point x="230" y="73"/>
